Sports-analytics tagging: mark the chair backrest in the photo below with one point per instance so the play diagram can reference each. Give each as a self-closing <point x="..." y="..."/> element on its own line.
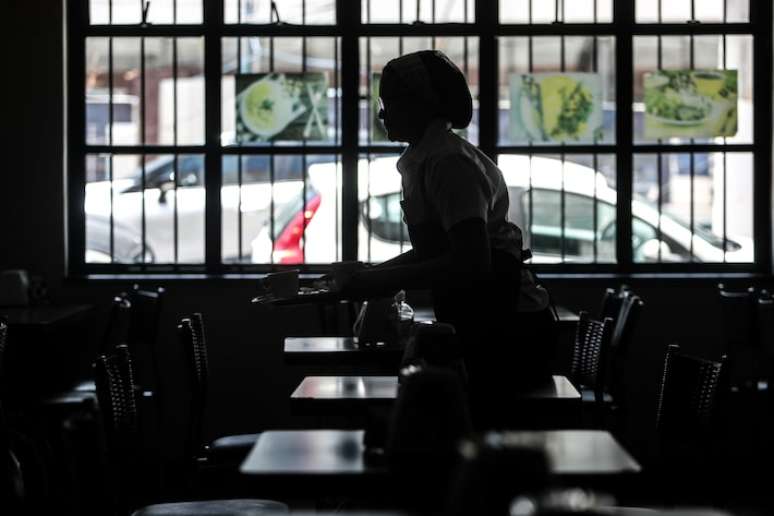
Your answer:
<point x="738" y="318"/>
<point x="765" y="322"/>
<point x="690" y="388"/>
<point x="612" y="301"/>
<point x="589" y="357"/>
<point x="117" y="329"/>
<point x="146" y="306"/>
<point x="114" y="380"/>
<point x="626" y="321"/>
<point x="3" y="342"/>
<point x="191" y="336"/>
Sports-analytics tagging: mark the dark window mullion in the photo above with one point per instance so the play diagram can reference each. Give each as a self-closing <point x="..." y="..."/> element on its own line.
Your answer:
<point x="142" y="140"/>
<point x="272" y="221"/>
<point x="624" y="72"/>
<point x="563" y="194"/>
<point x="213" y="165"/>
<point x="240" y="244"/>
<point x="303" y="156"/>
<point x="110" y="143"/>
<point x="692" y="58"/>
<point x="175" y="170"/>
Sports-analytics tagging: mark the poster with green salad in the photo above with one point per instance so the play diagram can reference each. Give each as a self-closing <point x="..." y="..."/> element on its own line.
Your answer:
<point x="556" y="107"/>
<point x="281" y="106"/>
<point x="690" y="103"/>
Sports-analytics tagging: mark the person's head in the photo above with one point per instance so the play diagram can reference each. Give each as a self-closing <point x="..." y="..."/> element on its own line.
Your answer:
<point x="419" y="87"/>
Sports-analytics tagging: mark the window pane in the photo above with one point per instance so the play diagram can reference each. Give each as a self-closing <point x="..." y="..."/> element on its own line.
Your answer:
<point x="711" y="52"/>
<point x="565" y="206"/>
<point x="170" y="209"/>
<point x="300" y="12"/>
<point x="410" y="11"/>
<point x="377" y="52"/>
<point x="127" y="11"/>
<point x="160" y="12"/>
<point x="126" y="91"/>
<point x="190" y="91"/>
<point x="381" y="231"/>
<point x="685" y="216"/>
<point x="540" y="11"/>
<point x="520" y="122"/>
<point x="300" y="74"/>
<point x="99" y="12"/>
<point x="679" y="11"/>
<point x="271" y="215"/>
<point x="159" y="91"/>
<point x="97" y="91"/>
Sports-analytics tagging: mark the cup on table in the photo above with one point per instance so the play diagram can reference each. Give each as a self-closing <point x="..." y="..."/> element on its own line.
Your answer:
<point x="282" y="284"/>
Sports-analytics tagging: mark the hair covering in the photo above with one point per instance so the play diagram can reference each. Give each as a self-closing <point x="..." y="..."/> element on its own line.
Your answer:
<point x="434" y="79"/>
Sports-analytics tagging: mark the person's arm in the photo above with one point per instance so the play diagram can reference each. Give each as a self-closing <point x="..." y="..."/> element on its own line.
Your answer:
<point x="468" y="260"/>
<point x="402" y="259"/>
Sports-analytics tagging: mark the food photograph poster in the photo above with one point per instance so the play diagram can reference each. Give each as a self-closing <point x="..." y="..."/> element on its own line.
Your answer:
<point x="690" y="103"/>
<point x="281" y="106"/>
<point x="556" y="107"/>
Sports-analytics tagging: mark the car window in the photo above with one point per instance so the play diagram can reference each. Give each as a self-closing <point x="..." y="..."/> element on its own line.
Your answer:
<point x="579" y="223"/>
<point x="382" y="216"/>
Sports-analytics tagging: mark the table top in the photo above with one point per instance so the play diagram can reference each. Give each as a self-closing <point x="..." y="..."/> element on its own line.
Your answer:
<point x="43" y="315"/>
<point x="341" y="452"/>
<point x="385" y="388"/>
<point x="366" y="388"/>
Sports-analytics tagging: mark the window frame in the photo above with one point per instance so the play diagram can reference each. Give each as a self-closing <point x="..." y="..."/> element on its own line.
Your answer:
<point x="349" y="29"/>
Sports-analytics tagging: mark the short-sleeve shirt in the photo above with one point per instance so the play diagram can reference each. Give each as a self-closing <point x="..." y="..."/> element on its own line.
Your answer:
<point x="462" y="183"/>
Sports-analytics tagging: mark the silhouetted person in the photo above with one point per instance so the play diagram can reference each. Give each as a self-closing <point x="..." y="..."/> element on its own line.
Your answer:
<point x="464" y="249"/>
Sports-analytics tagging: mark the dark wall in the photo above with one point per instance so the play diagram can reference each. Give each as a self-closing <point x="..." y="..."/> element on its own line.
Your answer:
<point x="250" y="384"/>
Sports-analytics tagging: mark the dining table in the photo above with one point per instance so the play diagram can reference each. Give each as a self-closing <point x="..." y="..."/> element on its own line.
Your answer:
<point x="337" y="461"/>
<point x="557" y="404"/>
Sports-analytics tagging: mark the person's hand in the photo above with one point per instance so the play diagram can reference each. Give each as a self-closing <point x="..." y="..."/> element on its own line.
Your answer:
<point x="343" y="273"/>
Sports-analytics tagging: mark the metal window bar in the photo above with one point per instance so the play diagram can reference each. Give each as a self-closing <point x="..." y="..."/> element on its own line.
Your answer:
<point x="595" y="164"/>
<point x="303" y="156"/>
<point x="692" y="58"/>
<point x="110" y="142"/>
<point x="175" y="169"/>
<point x="272" y="221"/>
<point x="563" y="194"/>
<point x="239" y="158"/>
<point x="660" y="58"/>
<point x="143" y="140"/>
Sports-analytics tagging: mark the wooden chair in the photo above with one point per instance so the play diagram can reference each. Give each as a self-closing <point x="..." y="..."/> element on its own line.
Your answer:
<point x="227" y="450"/>
<point x="145" y="317"/>
<point x="114" y="380"/>
<point x="589" y="362"/>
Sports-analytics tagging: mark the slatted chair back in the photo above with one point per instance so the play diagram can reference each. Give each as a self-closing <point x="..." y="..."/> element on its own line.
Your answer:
<point x="738" y="318"/>
<point x="589" y="358"/>
<point x="114" y="379"/>
<point x="765" y="320"/>
<point x="689" y="395"/>
<point x="117" y="329"/>
<point x="612" y="300"/>
<point x="146" y="308"/>
<point x="191" y="336"/>
<point x="3" y="342"/>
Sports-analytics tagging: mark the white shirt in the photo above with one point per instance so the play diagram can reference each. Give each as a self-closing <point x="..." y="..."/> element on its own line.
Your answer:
<point x="463" y="183"/>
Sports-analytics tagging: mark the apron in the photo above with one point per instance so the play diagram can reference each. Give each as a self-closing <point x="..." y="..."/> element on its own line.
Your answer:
<point x="498" y="357"/>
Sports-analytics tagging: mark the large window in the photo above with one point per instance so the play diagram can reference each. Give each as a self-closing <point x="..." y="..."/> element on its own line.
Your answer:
<point x="218" y="136"/>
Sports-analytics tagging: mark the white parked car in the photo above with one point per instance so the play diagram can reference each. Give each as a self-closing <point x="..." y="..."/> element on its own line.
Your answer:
<point x="160" y="198"/>
<point x="585" y="191"/>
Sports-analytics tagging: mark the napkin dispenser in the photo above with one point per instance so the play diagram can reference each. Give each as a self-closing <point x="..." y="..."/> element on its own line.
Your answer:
<point x="14" y="288"/>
